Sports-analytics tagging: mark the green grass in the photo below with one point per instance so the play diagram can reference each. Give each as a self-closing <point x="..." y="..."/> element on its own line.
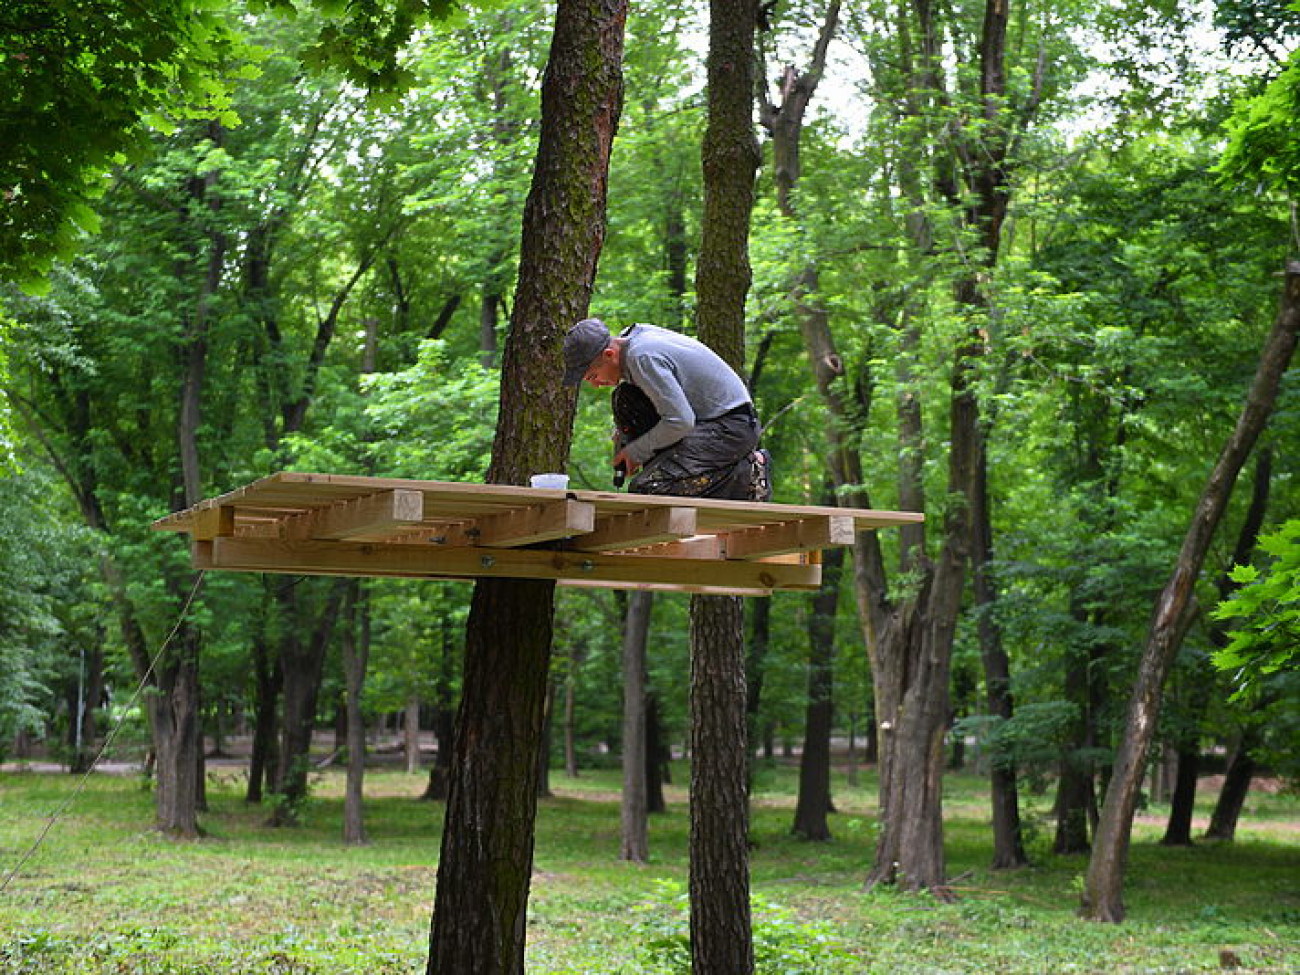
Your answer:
<point x="105" y="894"/>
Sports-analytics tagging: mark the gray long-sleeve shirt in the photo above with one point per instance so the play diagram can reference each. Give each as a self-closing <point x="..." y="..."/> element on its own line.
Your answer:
<point x="685" y="379"/>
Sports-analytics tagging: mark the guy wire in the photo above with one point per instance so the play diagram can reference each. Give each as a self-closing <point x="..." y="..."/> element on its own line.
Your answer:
<point x="108" y="741"/>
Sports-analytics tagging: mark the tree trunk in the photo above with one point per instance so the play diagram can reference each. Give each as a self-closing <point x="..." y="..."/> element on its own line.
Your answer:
<point x="479" y="913"/>
<point x="89" y="693"/>
<point x="657" y="756"/>
<point x="721" y="934"/>
<point x="304" y="663"/>
<point x="814" y="799"/>
<point x="635" y="842"/>
<point x="411" y="734"/>
<point x="444" y="721"/>
<point x="570" y="709"/>
<point x="175" y="713"/>
<point x="544" y="746"/>
<point x="1236" y="786"/>
<point x="268" y="680"/>
<point x="355" y="645"/>
<point x="1008" y="847"/>
<point x="760" y="638"/>
<point x="721" y="939"/>
<point x="1103" y="888"/>
<point x="1178" y="831"/>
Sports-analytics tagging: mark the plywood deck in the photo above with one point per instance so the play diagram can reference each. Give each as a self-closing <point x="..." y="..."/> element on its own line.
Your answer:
<point x="332" y="524"/>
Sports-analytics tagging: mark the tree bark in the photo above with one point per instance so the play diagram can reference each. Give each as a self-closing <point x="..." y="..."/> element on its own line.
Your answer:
<point x="814" y="799"/>
<point x="657" y="756"/>
<point x="355" y="645"/>
<point x="1236" y="786"/>
<point x="635" y="842"/>
<point x="268" y="681"/>
<point x="444" y="721"/>
<point x="1178" y="830"/>
<point x="479" y="914"/>
<point x="303" y="661"/>
<point x="1008" y="846"/>
<point x="411" y="734"/>
<point x="721" y="937"/>
<point x="1103" y="887"/>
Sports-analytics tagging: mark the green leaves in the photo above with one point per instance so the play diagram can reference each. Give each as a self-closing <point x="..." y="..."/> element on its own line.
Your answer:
<point x="1262" y="144"/>
<point x="1266" y="609"/>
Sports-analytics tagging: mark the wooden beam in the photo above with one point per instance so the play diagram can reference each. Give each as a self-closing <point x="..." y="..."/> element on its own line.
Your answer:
<point x="649" y="526"/>
<point x="516" y="527"/>
<point x="218" y="521"/>
<point x="312" y="557"/>
<point x="804" y="535"/>
<point x="367" y="518"/>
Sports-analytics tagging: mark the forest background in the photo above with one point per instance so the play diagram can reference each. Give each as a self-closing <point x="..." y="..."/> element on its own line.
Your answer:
<point x="311" y="269"/>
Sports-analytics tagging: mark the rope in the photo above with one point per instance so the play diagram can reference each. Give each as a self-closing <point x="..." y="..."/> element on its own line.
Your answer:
<point x="63" y="807"/>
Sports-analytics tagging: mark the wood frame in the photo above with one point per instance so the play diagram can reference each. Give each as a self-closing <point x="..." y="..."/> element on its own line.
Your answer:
<point x="331" y="524"/>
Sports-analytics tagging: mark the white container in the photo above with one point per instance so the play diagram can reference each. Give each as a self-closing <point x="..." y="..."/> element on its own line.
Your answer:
<point x="550" y="482"/>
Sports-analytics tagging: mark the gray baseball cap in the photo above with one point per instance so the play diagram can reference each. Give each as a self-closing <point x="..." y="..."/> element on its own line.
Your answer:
<point x="586" y="340"/>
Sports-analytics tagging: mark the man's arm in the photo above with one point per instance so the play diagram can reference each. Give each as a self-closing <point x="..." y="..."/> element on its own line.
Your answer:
<point x="657" y="379"/>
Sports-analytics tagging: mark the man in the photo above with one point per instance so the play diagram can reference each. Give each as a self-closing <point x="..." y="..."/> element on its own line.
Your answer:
<point x="705" y="440"/>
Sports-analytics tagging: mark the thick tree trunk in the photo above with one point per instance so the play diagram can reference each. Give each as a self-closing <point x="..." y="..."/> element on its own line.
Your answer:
<point x="721" y="934"/>
<point x="1103" y="887"/>
<point x="479" y="914"/>
<point x="814" y="799"/>
<point x="635" y="842"/>
<point x="175" y="719"/>
<point x="719" y="870"/>
<point x="487" y="846"/>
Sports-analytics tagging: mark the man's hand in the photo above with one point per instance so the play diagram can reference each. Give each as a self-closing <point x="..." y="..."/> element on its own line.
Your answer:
<point x="627" y="463"/>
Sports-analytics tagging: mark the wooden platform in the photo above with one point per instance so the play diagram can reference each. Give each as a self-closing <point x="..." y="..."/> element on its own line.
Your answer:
<point x="329" y="524"/>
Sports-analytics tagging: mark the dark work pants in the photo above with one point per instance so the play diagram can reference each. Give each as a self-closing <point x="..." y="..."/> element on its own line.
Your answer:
<point x="712" y="461"/>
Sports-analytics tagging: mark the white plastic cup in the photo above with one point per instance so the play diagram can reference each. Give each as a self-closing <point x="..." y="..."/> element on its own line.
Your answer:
<point x="550" y="482"/>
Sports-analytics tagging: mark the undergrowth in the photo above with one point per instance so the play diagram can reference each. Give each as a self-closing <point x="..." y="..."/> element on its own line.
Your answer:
<point x="104" y="894"/>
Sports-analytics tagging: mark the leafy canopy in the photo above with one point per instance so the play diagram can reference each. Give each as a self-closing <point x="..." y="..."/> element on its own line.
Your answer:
<point x="80" y="85"/>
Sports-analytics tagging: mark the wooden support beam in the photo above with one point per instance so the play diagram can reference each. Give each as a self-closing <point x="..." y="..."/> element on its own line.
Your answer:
<point x="310" y="557"/>
<point x="367" y="518"/>
<point x="515" y="527"/>
<point x="649" y="526"/>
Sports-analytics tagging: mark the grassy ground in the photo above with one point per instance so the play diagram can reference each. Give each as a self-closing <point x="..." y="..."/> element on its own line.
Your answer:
<point x="104" y="894"/>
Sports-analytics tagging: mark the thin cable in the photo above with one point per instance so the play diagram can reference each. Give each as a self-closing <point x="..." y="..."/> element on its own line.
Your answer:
<point x="108" y="740"/>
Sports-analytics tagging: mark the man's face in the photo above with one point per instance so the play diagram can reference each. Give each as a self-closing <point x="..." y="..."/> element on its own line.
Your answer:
<point x="605" y="369"/>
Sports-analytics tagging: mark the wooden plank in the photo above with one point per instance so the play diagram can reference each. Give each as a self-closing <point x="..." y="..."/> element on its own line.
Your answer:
<point x="367" y="518"/>
<point x="804" y="535"/>
<point x="516" y="527"/>
<point x="312" y="557"/>
<point x="635" y="529"/>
